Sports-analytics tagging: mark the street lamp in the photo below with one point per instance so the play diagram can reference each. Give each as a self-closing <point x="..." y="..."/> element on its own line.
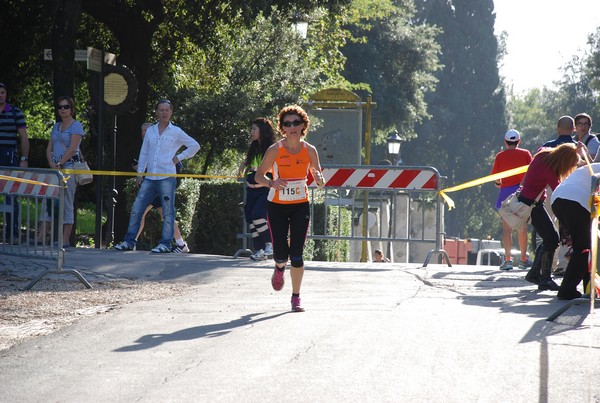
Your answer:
<point x="394" y="141"/>
<point x="300" y="24"/>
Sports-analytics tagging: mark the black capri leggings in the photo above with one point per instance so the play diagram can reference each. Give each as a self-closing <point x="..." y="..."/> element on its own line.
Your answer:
<point x="292" y="219"/>
<point x="544" y="227"/>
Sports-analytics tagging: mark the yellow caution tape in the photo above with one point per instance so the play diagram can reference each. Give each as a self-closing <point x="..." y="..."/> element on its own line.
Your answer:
<point x="120" y="173"/>
<point x="113" y="173"/>
<point x="475" y="182"/>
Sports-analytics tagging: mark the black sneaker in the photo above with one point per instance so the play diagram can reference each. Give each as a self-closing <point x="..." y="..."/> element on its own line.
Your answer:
<point x="181" y="249"/>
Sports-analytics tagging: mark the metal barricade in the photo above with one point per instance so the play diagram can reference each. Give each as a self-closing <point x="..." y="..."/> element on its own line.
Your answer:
<point x="38" y="222"/>
<point x="245" y="235"/>
<point x="385" y="204"/>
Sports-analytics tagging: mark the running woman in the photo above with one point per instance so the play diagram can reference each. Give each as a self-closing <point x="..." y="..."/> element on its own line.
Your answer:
<point x="290" y="160"/>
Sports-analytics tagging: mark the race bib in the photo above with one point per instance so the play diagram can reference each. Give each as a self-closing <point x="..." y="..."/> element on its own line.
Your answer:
<point x="294" y="191"/>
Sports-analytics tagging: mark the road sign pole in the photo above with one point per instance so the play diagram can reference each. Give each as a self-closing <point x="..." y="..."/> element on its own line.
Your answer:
<point x="100" y="155"/>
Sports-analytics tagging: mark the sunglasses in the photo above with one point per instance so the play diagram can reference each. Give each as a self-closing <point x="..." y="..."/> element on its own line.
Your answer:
<point x="63" y="107"/>
<point x="295" y="123"/>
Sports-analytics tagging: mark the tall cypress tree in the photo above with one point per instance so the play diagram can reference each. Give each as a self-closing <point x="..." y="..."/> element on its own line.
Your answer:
<point x="467" y="110"/>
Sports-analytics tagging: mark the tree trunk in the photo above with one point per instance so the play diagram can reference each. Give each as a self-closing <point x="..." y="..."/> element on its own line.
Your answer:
<point x="66" y="24"/>
<point x="134" y="32"/>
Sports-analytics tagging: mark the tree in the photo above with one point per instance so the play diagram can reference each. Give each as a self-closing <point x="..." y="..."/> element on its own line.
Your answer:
<point x="268" y="66"/>
<point x="467" y="109"/>
<point x="153" y="33"/>
<point x="536" y="112"/>
<point x="395" y="60"/>
<point x="530" y="114"/>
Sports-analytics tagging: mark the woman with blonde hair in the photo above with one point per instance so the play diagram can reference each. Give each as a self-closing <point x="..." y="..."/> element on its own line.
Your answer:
<point x="550" y="166"/>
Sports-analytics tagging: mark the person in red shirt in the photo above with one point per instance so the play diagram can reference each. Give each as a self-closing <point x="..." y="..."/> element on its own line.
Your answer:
<point x="512" y="157"/>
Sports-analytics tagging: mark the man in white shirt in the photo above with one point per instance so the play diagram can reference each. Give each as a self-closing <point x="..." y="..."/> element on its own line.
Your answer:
<point x="159" y="155"/>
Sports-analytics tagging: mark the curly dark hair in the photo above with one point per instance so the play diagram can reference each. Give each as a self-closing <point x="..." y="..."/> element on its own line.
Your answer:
<point x="266" y="138"/>
<point x="293" y="110"/>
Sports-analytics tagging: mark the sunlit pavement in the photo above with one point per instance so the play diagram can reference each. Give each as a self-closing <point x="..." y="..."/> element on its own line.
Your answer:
<point x="371" y="332"/>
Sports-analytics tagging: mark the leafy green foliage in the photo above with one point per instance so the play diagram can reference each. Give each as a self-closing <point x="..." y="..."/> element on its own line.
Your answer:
<point x="337" y="217"/>
<point x="260" y="70"/>
<point x="396" y="60"/>
<point x="217" y="218"/>
<point x="530" y="114"/>
<point x="186" y="200"/>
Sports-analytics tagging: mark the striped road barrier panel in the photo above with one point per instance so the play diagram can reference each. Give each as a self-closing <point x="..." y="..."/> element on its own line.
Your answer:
<point x="35" y="230"/>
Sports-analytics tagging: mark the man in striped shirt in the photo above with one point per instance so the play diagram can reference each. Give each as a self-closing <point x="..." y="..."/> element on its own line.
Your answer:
<point x="12" y="128"/>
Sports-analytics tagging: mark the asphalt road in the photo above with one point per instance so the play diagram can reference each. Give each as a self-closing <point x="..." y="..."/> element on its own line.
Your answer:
<point x="370" y="333"/>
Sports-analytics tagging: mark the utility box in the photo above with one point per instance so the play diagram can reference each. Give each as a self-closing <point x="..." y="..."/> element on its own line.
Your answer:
<point x="458" y="250"/>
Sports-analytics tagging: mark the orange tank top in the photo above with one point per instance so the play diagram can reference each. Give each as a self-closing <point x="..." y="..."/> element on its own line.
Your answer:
<point x="294" y="169"/>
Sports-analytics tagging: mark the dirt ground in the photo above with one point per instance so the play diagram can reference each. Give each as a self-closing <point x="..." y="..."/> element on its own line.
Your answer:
<point x="54" y="303"/>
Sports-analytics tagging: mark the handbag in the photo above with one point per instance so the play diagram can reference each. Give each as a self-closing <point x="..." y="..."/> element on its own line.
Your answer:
<point x="81" y="165"/>
<point x="85" y="178"/>
<point x="515" y="213"/>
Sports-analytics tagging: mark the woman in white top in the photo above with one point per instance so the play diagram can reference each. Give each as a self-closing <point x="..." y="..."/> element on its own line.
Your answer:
<point x="570" y="204"/>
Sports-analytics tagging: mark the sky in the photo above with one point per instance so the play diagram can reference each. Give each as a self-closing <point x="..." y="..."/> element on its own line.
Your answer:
<point x="542" y="36"/>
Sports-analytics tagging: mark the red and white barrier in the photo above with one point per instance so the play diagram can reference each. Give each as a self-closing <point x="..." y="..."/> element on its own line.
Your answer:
<point x="379" y="178"/>
<point x="22" y="186"/>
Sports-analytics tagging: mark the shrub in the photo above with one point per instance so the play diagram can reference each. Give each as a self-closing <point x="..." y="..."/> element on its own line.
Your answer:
<point x="218" y="218"/>
<point x="325" y="249"/>
<point x="186" y="198"/>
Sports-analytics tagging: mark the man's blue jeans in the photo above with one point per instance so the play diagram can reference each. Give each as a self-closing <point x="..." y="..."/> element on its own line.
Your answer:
<point x="8" y="158"/>
<point x="149" y="190"/>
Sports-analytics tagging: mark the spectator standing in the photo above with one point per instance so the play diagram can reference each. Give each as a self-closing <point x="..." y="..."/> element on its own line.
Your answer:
<point x="548" y="168"/>
<point x="512" y="157"/>
<point x="159" y="155"/>
<point x="564" y="128"/>
<point x="290" y="160"/>
<point x="180" y="245"/>
<point x="583" y="133"/>
<point x="62" y="151"/>
<point x="13" y="129"/>
<point x="570" y="203"/>
<point x="379" y="257"/>
<point x="262" y="136"/>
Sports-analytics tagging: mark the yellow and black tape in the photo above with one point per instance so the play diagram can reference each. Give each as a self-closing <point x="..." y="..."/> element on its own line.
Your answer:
<point x="476" y="182"/>
<point x="114" y="173"/>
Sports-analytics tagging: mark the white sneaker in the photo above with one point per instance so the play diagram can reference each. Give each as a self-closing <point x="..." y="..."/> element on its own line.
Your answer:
<point x="123" y="246"/>
<point x="160" y="248"/>
<point x="259" y="255"/>
<point x="269" y="250"/>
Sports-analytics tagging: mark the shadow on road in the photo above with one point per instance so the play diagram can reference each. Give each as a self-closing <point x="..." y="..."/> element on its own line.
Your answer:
<point x="196" y="332"/>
